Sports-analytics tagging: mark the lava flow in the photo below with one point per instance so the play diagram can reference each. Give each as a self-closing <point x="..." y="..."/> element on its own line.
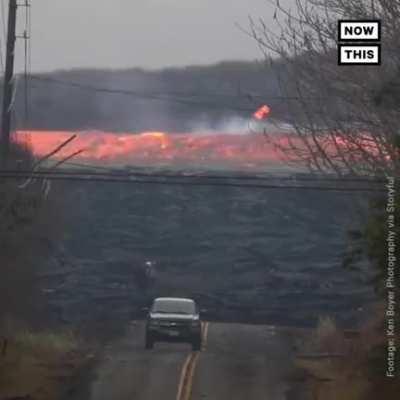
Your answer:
<point x="262" y="113"/>
<point x="156" y="148"/>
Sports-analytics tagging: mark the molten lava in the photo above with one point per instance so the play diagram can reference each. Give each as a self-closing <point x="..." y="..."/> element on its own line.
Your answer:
<point x="262" y="113"/>
<point x="157" y="148"/>
<point x="180" y="150"/>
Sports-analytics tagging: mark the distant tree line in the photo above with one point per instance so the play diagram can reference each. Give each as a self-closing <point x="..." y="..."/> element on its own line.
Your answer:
<point x="172" y="99"/>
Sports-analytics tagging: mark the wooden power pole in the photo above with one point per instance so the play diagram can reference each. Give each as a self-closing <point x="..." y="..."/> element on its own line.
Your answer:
<point x="8" y="82"/>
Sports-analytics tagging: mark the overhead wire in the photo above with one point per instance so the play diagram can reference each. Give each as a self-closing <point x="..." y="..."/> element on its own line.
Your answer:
<point x="165" y="97"/>
<point x="4" y="34"/>
<point x="27" y="37"/>
<point x="165" y="179"/>
<point x="3" y="18"/>
<point x="177" y="97"/>
<point x="80" y="85"/>
<point x="2" y="66"/>
<point x="237" y="175"/>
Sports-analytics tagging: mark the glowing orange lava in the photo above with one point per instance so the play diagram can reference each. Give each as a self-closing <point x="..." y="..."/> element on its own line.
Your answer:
<point x="262" y="113"/>
<point x="157" y="148"/>
<point x="177" y="150"/>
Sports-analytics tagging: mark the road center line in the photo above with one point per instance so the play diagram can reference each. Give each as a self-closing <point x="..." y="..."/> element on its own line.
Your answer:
<point x="182" y="376"/>
<point x="189" y="368"/>
<point x="205" y="335"/>
<point x="187" y="389"/>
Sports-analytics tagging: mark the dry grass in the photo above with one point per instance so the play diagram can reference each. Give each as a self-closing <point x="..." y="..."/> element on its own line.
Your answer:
<point x="40" y="364"/>
<point x="340" y="366"/>
<point x="326" y="338"/>
<point x="48" y="342"/>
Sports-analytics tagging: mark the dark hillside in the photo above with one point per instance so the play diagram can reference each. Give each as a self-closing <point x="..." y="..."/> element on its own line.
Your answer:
<point x="173" y="99"/>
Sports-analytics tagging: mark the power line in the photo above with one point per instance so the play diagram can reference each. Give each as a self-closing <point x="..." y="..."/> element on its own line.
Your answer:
<point x="4" y="33"/>
<point x="234" y="175"/>
<point x="26" y="37"/>
<point x="30" y="40"/>
<point x="109" y="178"/>
<point x="3" y="18"/>
<point x="169" y="93"/>
<point x="186" y="98"/>
<point x="142" y="95"/>
<point x="1" y="56"/>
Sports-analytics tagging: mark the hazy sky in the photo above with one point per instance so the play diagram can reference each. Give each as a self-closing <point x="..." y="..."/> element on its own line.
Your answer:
<point x="147" y="33"/>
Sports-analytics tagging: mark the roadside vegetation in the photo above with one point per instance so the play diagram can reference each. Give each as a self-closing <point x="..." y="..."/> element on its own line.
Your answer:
<point x="37" y="360"/>
<point x="348" y="124"/>
<point x="346" y="364"/>
<point x="42" y="364"/>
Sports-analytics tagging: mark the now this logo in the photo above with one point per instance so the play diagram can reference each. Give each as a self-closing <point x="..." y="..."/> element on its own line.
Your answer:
<point x="359" y="31"/>
<point x="362" y="42"/>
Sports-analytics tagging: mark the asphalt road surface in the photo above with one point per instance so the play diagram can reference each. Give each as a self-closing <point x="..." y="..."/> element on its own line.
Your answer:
<point x="237" y="362"/>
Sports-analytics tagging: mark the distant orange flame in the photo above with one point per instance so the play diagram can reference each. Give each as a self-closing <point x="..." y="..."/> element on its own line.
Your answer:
<point x="262" y="113"/>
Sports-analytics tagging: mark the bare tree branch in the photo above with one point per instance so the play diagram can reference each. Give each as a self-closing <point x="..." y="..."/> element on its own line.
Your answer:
<point x="348" y="130"/>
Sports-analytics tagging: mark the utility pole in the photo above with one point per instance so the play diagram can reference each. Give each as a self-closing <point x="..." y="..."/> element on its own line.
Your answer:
<point x="8" y="82"/>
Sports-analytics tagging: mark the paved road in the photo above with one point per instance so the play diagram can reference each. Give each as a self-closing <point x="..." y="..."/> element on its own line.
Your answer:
<point x="238" y="362"/>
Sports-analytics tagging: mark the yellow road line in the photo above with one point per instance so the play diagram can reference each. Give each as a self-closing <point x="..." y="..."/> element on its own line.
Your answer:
<point x="205" y="335"/>
<point x="187" y="389"/>
<point x="189" y="367"/>
<point x="182" y="376"/>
